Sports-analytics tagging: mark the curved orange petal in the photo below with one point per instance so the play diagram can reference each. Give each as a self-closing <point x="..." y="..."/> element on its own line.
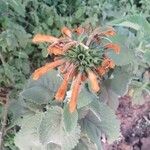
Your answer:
<point x="84" y="77"/>
<point x="79" y="30"/>
<point x="105" y="63"/>
<point x="56" y="50"/>
<point x="44" y="38"/>
<point x="101" y="71"/>
<point x="66" y="66"/>
<point x="62" y="90"/>
<point x="108" y="63"/>
<point x="109" y="32"/>
<point x="40" y="71"/>
<point x="69" y="45"/>
<point x="113" y="46"/>
<point x="75" y="92"/>
<point x="66" y="31"/>
<point x="93" y="79"/>
<point x="63" y="87"/>
<point x="112" y="64"/>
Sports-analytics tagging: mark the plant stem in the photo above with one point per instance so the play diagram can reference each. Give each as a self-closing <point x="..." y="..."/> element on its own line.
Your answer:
<point x="4" y="120"/>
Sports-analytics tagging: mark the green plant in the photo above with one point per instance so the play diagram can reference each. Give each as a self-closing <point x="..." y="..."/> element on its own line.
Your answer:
<point x="19" y="20"/>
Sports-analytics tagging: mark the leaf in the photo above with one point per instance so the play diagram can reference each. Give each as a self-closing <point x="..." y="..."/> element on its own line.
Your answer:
<point x="129" y="25"/>
<point x="138" y="98"/>
<point x="109" y="124"/>
<point x="42" y="91"/>
<point x="53" y="146"/>
<point x="17" y="109"/>
<point x="39" y="95"/>
<point x="44" y="53"/>
<point x="51" y="126"/>
<point x="85" y="98"/>
<point x="52" y="130"/>
<point x="3" y="7"/>
<point x="126" y="55"/>
<point x="69" y="141"/>
<point x="70" y="119"/>
<point x="29" y="130"/>
<point x="79" y="12"/>
<point x="139" y="93"/>
<point x="17" y="6"/>
<point x="147" y="56"/>
<point x="89" y="126"/>
<point x="9" y="71"/>
<point x="139" y="20"/>
<point x="109" y="96"/>
<point x="85" y="144"/>
<point x="120" y="81"/>
<point x="22" y="55"/>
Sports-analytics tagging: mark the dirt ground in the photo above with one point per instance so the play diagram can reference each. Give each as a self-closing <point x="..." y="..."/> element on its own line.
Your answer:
<point x="135" y="126"/>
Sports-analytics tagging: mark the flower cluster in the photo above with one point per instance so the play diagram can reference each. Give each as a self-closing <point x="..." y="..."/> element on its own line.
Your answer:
<point x="80" y="55"/>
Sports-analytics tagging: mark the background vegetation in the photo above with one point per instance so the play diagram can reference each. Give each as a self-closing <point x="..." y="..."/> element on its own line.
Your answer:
<point x="21" y="19"/>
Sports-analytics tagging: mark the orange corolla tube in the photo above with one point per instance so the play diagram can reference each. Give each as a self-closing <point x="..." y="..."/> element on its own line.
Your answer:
<point x="66" y="31"/>
<point x="113" y="46"/>
<point x="44" y="38"/>
<point x="101" y="70"/>
<point x="93" y="79"/>
<point x="39" y="72"/>
<point x="63" y="87"/>
<point x="79" y="30"/>
<point x="69" y="45"/>
<point x="75" y="93"/>
<point x="111" y="64"/>
<point x="62" y="90"/>
<point x="56" y="50"/>
<point x="108" y="63"/>
<point x="109" y="32"/>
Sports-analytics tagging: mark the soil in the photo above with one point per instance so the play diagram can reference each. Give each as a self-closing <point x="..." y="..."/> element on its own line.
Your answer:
<point x="135" y="126"/>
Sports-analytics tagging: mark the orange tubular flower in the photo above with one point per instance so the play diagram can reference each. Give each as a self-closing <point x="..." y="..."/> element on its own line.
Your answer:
<point x="79" y="30"/>
<point x="44" y="38"/>
<point x="93" y="79"/>
<point x="115" y="47"/>
<point x="63" y="87"/>
<point x="78" y="60"/>
<point x="39" y="72"/>
<point x="66" y="31"/>
<point x="75" y="91"/>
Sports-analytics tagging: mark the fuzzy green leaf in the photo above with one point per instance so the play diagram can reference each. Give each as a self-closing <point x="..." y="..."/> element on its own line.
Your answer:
<point x="139" y="20"/>
<point x="120" y="81"/>
<point x="17" y="6"/>
<point x="42" y="91"/>
<point x="52" y="130"/>
<point x="129" y="25"/>
<point x="29" y="130"/>
<point x="109" y="124"/>
<point x="85" y="144"/>
<point x="85" y="98"/>
<point x="51" y="126"/>
<point x="53" y="146"/>
<point x="147" y="56"/>
<point x="140" y="91"/>
<point x="38" y="94"/>
<point x="89" y="126"/>
<point x="109" y="96"/>
<point x="70" y="119"/>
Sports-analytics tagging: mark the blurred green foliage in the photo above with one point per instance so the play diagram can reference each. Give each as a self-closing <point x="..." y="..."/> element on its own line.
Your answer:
<point x="20" y="20"/>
